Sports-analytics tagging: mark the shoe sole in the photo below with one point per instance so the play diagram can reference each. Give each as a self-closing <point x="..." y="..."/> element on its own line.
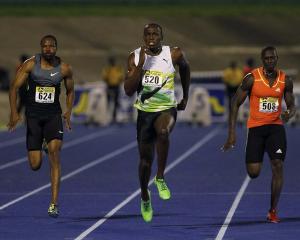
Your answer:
<point x="272" y="221"/>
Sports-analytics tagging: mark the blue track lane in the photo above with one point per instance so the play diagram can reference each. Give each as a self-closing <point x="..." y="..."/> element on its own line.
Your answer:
<point x="203" y="185"/>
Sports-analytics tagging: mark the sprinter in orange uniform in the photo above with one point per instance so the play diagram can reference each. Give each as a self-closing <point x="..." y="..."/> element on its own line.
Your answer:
<point x="265" y="86"/>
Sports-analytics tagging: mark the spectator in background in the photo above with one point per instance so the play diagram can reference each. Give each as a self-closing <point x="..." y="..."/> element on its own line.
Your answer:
<point x="23" y="89"/>
<point x="249" y="66"/>
<point x="4" y="79"/>
<point x="232" y="78"/>
<point x="113" y="76"/>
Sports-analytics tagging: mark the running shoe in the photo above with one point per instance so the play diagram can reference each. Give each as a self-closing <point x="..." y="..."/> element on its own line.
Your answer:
<point x="146" y="209"/>
<point x="53" y="210"/>
<point x="162" y="188"/>
<point x="272" y="216"/>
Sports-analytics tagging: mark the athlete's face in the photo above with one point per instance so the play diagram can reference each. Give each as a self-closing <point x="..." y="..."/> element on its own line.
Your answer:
<point x="269" y="60"/>
<point x="152" y="37"/>
<point x="48" y="48"/>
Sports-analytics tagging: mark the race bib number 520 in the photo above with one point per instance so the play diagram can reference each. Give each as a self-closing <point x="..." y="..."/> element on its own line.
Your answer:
<point x="152" y="79"/>
<point x="268" y="104"/>
<point x="44" y="94"/>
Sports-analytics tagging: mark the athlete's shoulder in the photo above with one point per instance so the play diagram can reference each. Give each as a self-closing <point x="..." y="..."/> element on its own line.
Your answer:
<point x="177" y="54"/>
<point x="247" y="82"/>
<point x="136" y="51"/>
<point x="66" y="69"/>
<point x="27" y="65"/>
<point x="174" y="49"/>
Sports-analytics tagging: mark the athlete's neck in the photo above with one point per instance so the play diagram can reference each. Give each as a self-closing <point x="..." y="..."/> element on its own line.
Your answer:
<point x="48" y="62"/>
<point x="155" y="50"/>
<point x="270" y="73"/>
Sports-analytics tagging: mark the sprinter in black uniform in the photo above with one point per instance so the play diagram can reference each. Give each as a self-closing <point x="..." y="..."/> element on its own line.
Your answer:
<point x="44" y="73"/>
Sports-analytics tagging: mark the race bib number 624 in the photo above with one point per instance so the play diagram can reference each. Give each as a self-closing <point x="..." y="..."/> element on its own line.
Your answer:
<point x="44" y="94"/>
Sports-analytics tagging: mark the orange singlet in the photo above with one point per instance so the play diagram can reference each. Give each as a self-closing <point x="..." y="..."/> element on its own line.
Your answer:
<point x="265" y="101"/>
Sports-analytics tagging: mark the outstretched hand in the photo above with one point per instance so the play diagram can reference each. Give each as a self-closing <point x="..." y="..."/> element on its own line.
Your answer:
<point x="229" y="144"/>
<point x="182" y="105"/>
<point x="285" y="116"/>
<point x="14" y="119"/>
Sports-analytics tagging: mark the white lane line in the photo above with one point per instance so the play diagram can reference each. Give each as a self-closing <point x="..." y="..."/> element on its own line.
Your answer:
<point x="12" y="142"/>
<point x="232" y="209"/>
<point x="13" y="163"/>
<point x="72" y="143"/>
<point x="75" y="172"/>
<point x="194" y="148"/>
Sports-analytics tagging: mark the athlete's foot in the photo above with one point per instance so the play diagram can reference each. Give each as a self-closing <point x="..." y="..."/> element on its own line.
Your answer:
<point x="53" y="210"/>
<point x="162" y="188"/>
<point x="272" y="216"/>
<point x="146" y="209"/>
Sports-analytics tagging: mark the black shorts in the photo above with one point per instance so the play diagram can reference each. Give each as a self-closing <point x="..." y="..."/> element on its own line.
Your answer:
<point x="266" y="138"/>
<point x="39" y="128"/>
<point x="145" y="124"/>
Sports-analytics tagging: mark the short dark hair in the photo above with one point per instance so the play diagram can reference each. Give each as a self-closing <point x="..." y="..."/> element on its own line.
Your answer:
<point x="154" y="25"/>
<point x="268" y="48"/>
<point x="49" y="36"/>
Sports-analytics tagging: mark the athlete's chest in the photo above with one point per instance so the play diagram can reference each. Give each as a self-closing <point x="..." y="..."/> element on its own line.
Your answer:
<point x="159" y="63"/>
<point x="46" y="77"/>
<point x="262" y="89"/>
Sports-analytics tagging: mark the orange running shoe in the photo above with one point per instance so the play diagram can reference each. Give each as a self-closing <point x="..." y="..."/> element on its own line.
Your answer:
<point x="272" y="216"/>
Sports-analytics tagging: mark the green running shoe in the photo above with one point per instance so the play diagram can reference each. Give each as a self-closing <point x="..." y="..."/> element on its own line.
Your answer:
<point x="162" y="188"/>
<point x="53" y="210"/>
<point x="146" y="209"/>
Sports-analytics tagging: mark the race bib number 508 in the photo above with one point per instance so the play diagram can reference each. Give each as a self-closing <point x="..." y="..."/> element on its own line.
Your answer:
<point x="268" y="104"/>
<point x="44" y="94"/>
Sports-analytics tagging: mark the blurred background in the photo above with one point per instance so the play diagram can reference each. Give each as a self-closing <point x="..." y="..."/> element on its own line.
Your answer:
<point x="221" y="39"/>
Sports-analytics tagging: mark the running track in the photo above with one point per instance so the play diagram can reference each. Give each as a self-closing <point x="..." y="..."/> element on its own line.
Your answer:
<point x="99" y="199"/>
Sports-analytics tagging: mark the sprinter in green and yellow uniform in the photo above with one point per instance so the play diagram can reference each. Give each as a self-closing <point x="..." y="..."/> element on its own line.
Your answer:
<point x="151" y="73"/>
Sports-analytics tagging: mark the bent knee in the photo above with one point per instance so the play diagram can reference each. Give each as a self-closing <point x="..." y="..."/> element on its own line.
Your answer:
<point x="35" y="166"/>
<point x="35" y="160"/>
<point x="253" y="175"/>
<point x="163" y="133"/>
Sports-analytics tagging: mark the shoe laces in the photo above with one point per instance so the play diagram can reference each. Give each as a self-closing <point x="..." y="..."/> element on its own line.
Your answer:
<point x="162" y="185"/>
<point x="146" y="205"/>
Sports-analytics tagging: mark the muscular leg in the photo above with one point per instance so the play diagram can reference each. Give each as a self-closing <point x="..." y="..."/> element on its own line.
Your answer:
<point x="277" y="181"/>
<point x="54" y="147"/>
<point x="146" y="158"/>
<point x="163" y="127"/>
<point x="35" y="159"/>
<point x="253" y="169"/>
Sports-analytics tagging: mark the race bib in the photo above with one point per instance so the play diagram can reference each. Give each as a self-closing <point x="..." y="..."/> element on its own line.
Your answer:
<point x="44" y="94"/>
<point x="268" y="105"/>
<point x="152" y="79"/>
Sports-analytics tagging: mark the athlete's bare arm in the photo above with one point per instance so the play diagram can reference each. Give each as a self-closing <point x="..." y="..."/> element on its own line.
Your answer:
<point x="179" y="59"/>
<point x="134" y="73"/>
<point x="289" y="100"/>
<point x="238" y="99"/>
<point x="22" y="74"/>
<point x="67" y="74"/>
